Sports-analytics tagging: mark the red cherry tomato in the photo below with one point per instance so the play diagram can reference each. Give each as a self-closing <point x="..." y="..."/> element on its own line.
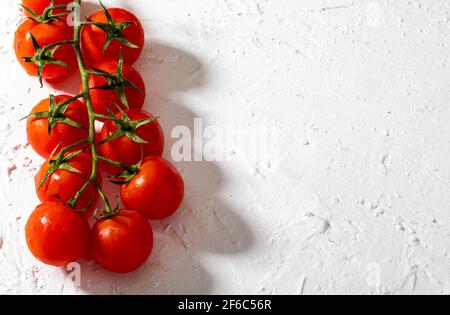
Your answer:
<point x="122" y="243"/>
<point x="156" y="191"/>
<point x="57" y="235"/>
<point x="45" y="34"/>
<point x="61" y="134"/>
<point x="104" y="99"/>
<point x="39" y="6"/>
<point x="124" y="149"/>
<point x="93" y="38"/>
<point x="62" y="185"/>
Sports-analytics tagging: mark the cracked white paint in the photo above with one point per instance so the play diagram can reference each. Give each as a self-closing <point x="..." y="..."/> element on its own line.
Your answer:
<point x="360" y="200"/>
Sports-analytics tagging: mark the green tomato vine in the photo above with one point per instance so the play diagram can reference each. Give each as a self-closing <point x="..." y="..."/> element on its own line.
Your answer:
<point x="116" y="82"/>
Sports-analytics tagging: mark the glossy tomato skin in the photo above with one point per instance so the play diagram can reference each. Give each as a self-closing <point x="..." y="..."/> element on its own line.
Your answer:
<point x="39" y="6"/>
<point x="62" y="134"/>
<point x="57" y="235"/>
<point x="156" y="191"/>
<point x="123" y="243"/>
<point x="62" y="185"/>
<point x="104" y="99"/>
<point x="45" y="34"/>
<point x="125" y="150"/>
<point x="93" y="38"/>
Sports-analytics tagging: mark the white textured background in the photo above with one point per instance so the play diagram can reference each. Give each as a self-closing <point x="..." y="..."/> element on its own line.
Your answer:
<point x="360" y="92"/>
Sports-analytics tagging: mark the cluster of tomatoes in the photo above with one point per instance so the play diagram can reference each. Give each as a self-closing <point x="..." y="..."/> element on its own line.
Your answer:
<point x="61" y="129"/>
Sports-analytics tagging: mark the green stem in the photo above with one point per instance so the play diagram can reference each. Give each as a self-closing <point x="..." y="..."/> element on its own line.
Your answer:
<point x="92" y="116"/>
<point x="108" y="209"/>
<point x="102" y="74"/>
<point x="126" y="167"/>
<point x="50" y="46"/>
<point x="63" y="151"/>
<point x="115" y="119"/>
<point x="80" y="193"/>
<point x="66" y="102"/>
<point x="46" y="14"/>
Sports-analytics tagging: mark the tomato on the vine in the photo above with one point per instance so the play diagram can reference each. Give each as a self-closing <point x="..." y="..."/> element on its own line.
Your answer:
<point x="57" y="235"/>
<point x="63" y="130"/>
<point x="62" y="133"/>
<point x="58" y="61"/>
<point x="156" y="190"/>
<point x="61" y="182"/>
<point x="122" y="31"/>
<point x="125" y="87"/>
<point x="39" y="6"/>
<point x="124" y="149"/>
<point x="123" y="242"/>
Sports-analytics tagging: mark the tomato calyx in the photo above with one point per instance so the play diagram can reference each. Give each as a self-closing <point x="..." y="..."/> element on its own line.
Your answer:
<point x="47" y="16"/>
<point x="61" y="162"/>
<point x="116" y="81"/>
<point x="44" y="55"/>
<point x="56" y="112"/>
<point x="126" y="126"/>
<point x="107" y="213"/>
<point x="127" y="175"/>
<point x="113" y="30"/>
